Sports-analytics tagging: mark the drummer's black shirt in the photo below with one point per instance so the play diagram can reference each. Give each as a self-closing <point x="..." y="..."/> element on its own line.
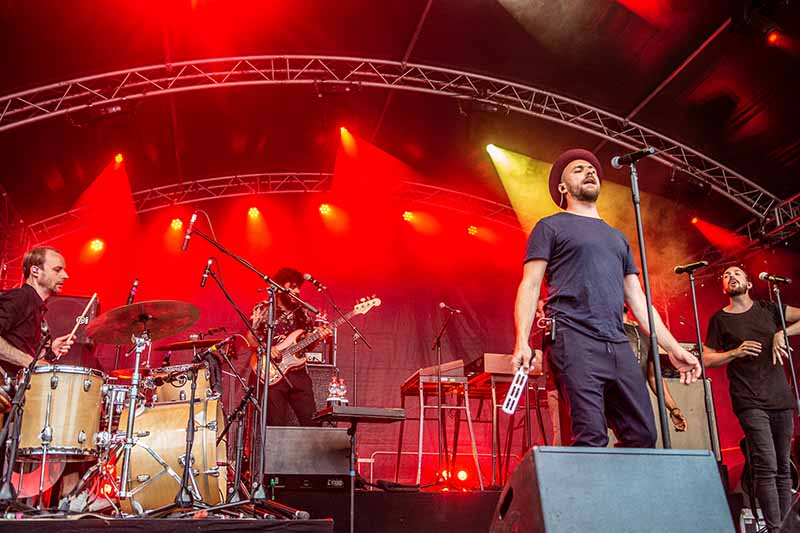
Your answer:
<point x="21" y="313"/>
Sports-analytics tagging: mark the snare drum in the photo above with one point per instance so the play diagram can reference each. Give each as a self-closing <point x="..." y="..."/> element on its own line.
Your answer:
<point x="62" y="412"/>
<point x="179" y="389"/>
<point x="156" y="466"/>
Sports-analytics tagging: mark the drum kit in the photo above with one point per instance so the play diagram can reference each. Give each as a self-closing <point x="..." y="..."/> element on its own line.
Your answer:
<point x="136" y="425"/>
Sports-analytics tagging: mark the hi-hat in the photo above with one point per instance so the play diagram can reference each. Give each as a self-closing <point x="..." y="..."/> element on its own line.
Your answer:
<point x="160" y="318"/>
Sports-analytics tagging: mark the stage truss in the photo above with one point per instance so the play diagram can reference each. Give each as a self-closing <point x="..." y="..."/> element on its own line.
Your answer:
<point x="774" y="219"/>
<point x="195" y="192"/>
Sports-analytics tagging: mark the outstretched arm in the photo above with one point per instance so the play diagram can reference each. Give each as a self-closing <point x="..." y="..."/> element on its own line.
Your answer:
<point x="686" y="363"/>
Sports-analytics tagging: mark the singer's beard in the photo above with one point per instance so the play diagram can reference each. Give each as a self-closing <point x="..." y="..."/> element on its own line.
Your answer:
<point x="738" y="290"/>
<point x="583" y="194"/>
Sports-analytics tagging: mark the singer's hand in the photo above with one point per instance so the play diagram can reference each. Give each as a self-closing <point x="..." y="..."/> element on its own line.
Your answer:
<point x="779" y="349"/>
<point x="748" y="348"/>
<point x="523" y="357"/>
<point x="686" y="363"/>
<point x="61" y="345"/>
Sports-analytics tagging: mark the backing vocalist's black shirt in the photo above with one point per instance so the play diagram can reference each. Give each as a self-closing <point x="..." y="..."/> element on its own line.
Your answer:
<point x="755" y="383"/>
<point x="21" y="313"/>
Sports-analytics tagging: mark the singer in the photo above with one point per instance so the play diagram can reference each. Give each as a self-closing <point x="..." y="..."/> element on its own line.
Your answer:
<point x="22" y="310"/>
<point x="289" y="317"/>
<point x="747" y="336"/>
<point x="591" y="274"/>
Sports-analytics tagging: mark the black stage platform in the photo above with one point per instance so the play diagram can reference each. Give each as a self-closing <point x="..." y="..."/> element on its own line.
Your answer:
<point x="465" y="512"/>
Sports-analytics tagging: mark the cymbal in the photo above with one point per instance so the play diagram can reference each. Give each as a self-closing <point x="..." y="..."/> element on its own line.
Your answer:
<point x="127" y="373"/>
<point x="188" y="345"/>
<point x="161" y="318"/>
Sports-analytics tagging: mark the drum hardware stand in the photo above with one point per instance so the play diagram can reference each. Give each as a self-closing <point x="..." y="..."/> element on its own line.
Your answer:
<point x="662" y="410"/>
<point x="706" y="396"/>
<point x="259" y="496"/>
<point x="444" y="458"/>
<point x="140" y="343"/>
<point x="8" y="495"/>
<point x="237" y="415"/>
<point x="357" y="336"/>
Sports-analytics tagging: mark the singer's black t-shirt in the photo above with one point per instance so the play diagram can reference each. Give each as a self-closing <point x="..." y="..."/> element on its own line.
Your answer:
<point x="755" y="383"/>
<point x="587" y="261"/>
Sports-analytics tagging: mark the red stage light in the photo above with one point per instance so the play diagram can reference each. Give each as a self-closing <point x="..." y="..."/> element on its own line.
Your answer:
<point x="107" y="489"/>
<point x="472" y="230"/>
<point x="695" y="220"/>
<point x="773" y="37"/>
<point x="176" y="224"/>
<point x="408" y="216"/>
<point x="462" y="475"/>
<point x="97" y="245"/>
<point x="253" y="212"/>
<point x="118" y="159"/>
<point x="325" y="209"/>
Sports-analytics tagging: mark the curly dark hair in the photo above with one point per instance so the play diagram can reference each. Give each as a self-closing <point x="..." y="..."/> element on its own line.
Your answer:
<point x="288" y="275"/>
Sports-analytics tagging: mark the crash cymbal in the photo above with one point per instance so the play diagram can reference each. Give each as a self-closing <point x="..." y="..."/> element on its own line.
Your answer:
<point x="188" y="345"/>
<point x="161" y="318"/>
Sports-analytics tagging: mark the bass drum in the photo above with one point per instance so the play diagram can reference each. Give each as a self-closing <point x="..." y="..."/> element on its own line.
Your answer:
<point x="156" y="465"/>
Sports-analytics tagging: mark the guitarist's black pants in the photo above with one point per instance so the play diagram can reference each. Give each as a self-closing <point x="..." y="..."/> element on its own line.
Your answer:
<point x="300" y="398"/>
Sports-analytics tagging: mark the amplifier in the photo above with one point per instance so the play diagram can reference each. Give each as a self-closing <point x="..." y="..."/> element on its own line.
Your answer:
<point x="308" y="458"/>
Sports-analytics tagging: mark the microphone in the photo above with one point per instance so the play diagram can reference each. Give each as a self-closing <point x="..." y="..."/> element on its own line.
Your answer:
<point x="220" y="344"/>
<point x="446" y="307"/>
<point x="206" y="272"/>
<point x="774" y="279"/>
<point x="621" y="160"/>
<point x="132" y="294"/>
<point x="691" y="267"/>
<point x="188" y="235"/>
<point x="309" y="278"/>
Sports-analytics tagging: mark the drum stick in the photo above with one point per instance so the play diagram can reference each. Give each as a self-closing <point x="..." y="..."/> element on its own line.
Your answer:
<point x="79" y="320"/>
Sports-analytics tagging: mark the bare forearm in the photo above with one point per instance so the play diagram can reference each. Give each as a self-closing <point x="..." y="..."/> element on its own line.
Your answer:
<point x="525" y="310"/>
<point x="712" y="358"/>
<point x="13" y="355"/>
<point x="665" y="338"/>
<point x="669" y="401"/>
<point x="792" y="329"/>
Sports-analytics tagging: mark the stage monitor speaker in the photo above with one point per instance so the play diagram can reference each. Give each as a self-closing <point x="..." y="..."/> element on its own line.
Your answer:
<point x="62" y="311"/>
<point x="575" y="490"/>
<point x="308" y="457"/>
<point x="691" y="402"/>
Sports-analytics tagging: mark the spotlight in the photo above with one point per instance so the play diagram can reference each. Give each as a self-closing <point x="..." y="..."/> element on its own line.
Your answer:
<point x="695" y="220"/>
<point x="491" y="148"/>
<point x="462" y="475"/>
<point x="325" y="209"/>
<point x="773" y="37"/>
<point x="176" y="224"/>
<point x="118" y="159"/>
<point x="97" y="245"/>
<point x="472" y="230"/>
<point x="253" y="212"/>
<point x="408" y="216"/>
<point x="342" y="130"/>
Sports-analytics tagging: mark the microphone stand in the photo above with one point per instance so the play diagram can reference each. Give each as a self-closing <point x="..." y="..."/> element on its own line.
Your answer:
<point x="437" y="346"/>
<point x="13" y="424"/>
<point x="357" y="335"/>
<point x="259" y="495"/>
<point x="706" y="395"/>
<point x="776" y="289"/>
<point x="662" y="410"/>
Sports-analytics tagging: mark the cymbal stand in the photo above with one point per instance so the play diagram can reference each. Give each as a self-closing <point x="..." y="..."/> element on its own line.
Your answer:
<point x="13" y="424"/>
<point x="237" y="415"/>
<point x="140" y="344"/>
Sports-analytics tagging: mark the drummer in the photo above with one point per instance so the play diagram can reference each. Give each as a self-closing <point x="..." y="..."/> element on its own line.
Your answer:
<point x="22" y="311"/>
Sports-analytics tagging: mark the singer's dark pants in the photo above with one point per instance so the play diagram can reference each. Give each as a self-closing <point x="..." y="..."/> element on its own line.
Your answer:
<point x="604" y="387"/>
<point x="769" y="437"/>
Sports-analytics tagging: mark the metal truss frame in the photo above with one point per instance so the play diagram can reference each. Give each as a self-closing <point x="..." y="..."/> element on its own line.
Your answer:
<point x="775" y="218"/>
<point x="196" y="191"/>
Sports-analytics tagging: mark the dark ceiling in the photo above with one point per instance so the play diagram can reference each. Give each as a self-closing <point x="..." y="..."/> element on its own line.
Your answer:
<point x="736" y="100"/>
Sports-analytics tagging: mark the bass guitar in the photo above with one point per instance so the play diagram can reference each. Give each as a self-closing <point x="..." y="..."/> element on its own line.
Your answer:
<point x="291" y="349"/>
